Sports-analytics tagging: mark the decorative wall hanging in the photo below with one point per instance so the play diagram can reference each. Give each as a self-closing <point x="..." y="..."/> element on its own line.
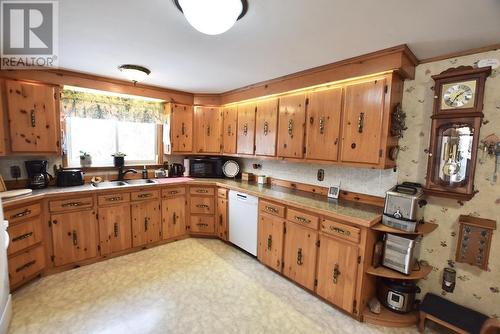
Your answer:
<point x="398" y="121"/>
<point x="474" y="240"/>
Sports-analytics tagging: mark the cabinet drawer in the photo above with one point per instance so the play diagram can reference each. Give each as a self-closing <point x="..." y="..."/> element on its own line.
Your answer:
<point x="173" y="191"/>
<point x="144" y="195"/>
<point x="71" y="204"/>
<point x="201" y="191"/>
<point x="202" y="224"/>
<point x="202" y="205"/>
<point x="24" y="235"/>
<point x="24" y="212"/>
<point x="302" y="218"/>
<point x="113" y="198"/>
<point x="340" y="230"/>
<point x="222" y="192"/>
<point x="272" y="208"/>
<point x="26" y="264"/>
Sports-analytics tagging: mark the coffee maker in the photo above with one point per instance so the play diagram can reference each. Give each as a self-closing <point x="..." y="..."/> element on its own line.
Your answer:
<point x="38" y="177"/>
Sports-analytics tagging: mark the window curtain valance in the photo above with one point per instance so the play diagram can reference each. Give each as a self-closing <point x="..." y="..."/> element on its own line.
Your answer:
<point x="89" y="105"/>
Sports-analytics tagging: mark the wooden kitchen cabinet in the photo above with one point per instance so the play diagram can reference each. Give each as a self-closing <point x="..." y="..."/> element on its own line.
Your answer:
<point x="270" y="241"/>
<point x="74" y="236"/>
<point x="222" y="218"/>
<point x="291" y="126"/>
<point x="181" y="127"/>
<point x="26" y="265"/>
<point x="208" y="127"/>
<point x="33" y="114"/>
<point x="337" y="272"/>
<point x="323" y="124"/>
<point x="115" y="228"/>
<point x="146" y="222"/>
<point x="230" y="121"/>
<point x="362" y="122"/>
<point x="246" y="128"/>
<point x="3" y="124"/>
<point x="174" y="217"/>
<point x="266" y="127"/>
<point x="300" y="254"/>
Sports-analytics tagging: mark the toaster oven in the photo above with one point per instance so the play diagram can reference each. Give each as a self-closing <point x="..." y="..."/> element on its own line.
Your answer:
<point x="401" y="253"/>
<point x="403" y="207"/>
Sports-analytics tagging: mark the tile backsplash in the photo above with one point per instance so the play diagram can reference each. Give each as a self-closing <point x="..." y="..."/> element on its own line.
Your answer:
<point x="7" y="162"/>
<point x="361" y="180"/>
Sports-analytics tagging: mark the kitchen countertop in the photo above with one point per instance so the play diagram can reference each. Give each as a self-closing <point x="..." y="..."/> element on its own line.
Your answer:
<point x="358" y="213"/>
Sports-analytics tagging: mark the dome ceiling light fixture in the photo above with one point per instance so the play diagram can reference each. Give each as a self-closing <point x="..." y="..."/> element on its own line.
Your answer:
<point x="212" y="17"/>
<point x="134" y="73"/>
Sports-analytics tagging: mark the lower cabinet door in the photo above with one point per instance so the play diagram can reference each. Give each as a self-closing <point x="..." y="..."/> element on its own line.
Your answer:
<point x="146" y="223"/>
<point x="271" y="233"/>
<point x="337" y="270"/>
<point x="222" y="223"/>
<point x="115" y="228"/>
<point x="174" y="217"/>
<point x="202" y="224"/>
<point x="300" y="254"/>
<point x="74" y="236"/>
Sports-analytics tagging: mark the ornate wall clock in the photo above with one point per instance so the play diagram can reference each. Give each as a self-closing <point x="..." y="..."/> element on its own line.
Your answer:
<point x="456" y="120"/>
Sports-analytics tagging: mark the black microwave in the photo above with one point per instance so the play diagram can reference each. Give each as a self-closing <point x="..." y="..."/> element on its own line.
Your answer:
<point x="206" y="167"/>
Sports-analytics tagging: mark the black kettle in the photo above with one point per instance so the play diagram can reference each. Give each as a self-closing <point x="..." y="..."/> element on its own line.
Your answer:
<point x="175" y="170"/>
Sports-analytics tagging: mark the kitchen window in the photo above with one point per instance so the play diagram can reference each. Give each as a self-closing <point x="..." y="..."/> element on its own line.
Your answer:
<point x="101" y="124"/>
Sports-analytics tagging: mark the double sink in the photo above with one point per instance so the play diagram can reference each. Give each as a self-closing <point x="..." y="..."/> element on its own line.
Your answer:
<point x="114" y="184"/>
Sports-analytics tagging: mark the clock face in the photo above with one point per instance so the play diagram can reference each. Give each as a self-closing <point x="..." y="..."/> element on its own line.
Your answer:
<point x="459" y="95"/>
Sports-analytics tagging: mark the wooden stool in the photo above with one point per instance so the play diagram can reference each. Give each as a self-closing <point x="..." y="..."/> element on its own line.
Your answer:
<point x="455" y="317"/>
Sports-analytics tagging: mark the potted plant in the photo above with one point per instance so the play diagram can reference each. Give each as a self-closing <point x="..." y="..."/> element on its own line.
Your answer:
<point x="119" y="159"/>
<point x="85" y="159"/>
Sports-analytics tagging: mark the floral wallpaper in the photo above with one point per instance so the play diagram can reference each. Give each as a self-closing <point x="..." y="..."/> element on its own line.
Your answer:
<point x="88" y="105"/>
<point x="475" y="288"/>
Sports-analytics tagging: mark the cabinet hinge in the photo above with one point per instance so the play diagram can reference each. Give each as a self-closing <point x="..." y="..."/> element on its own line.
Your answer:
<point x="354" y="304"/>
<point x="317" y="243"/>
<point x="283" y="265"/>
<point x="98" y="248"/>
<point x="97" y="216"/>
<point x="50" y="223"/>
<point x="255" y="148"/>
<point x="284" y="230"/>
<point x="380" y="152"/>
<point x="315" y="282"/>
<point x="307" y="101"/>
<point x="304" y="150"/>
<point x="52" y="258"/>
<point x="359" y="259"/>
<point x="386" y="89"/>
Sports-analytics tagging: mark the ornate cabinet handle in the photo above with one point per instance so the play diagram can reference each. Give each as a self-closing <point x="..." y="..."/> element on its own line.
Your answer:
<point x="22" y="237"/>
<point x="25" y="266"/>
<point x="336" y="273"/>
<point x="183" y="128"/>
<point x="299" y="257"/>
<point x="229" y="130"/>
<point x="33" y="119"/>
<point x="302" y="220"/>
<point x="340" y="230"/>
<point x="208" y="130"/>
<point x="173" y="192"/>
<point x="75" y="238"/>
<point x="266" y="128"/>
<point x="245" y="129"/>
<point x="146" y="223"/>
<point x="322" y="125"/>
<point x="271" y="209"/>
<point x="202" y="225"/>
<point x="174" y="219"/>
<point x="74" y="204"/>
<point x="361" y="121"/>
<point x="290" y="127"/>
<point x="115" y="229"/>
<point x="202" y="191"/>
<point x="114" y="199"/>
<point x="269" y="242"/>
<point x="202" y="206"/>
<point x="21" y="214"/>
<point x="145" y="195"/>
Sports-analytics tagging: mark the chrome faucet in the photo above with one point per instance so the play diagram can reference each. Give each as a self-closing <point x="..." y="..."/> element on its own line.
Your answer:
<point x="122" y="173"/>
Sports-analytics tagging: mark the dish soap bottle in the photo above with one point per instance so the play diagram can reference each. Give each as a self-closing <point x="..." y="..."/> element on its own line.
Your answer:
<point x="144" y="173"/>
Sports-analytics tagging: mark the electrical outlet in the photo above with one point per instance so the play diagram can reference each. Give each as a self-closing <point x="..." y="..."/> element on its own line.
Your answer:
<point x="321" y="174"/>
<point x="15" y="172"/>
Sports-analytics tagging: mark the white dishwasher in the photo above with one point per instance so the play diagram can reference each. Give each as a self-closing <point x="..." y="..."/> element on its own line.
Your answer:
<point x="243" y="210"/>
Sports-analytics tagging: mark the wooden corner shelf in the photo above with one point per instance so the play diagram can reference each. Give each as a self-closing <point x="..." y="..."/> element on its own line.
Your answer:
<point x="390" y="319"/>
<point x="422" y="229"/>
<point x="392" y="274"/>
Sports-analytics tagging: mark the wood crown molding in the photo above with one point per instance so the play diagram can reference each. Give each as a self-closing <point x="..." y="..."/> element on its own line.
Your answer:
<point x="462" y="53"/>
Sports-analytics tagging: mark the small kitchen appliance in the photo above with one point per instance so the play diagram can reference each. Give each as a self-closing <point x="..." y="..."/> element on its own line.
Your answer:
<point x="210" y="167"/>
<point x="398" y="296"/>
<point x="176" y="170"/>
<point x="403" y="208"/>
<point x="38" y="177"/>
<point x="401" y="253"/>
<point x="69" y="177"/>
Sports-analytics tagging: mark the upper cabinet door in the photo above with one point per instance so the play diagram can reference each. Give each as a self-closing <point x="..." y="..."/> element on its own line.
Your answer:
<point x="266" y="127"/>
<point x="181" y="130"/>
<point x="207" y="127"/>
<point x="33" y="111"/>
<point x="230" y="116"/>
<point x="323" y="124"/>
<point x="291" y="126"/>
<point x="246" y="128"/>
<point x="362" y="124"/>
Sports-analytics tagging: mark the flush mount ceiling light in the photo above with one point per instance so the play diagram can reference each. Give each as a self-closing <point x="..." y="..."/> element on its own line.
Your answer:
<point x="134" y="73"/>
<point x="212" y="17"/>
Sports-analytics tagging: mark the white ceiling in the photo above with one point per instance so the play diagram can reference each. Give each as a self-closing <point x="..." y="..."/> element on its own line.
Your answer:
<point x="275" y="38"/>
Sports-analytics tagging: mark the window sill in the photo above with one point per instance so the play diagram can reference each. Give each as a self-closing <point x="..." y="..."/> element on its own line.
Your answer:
<point x="112" y="168"/>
